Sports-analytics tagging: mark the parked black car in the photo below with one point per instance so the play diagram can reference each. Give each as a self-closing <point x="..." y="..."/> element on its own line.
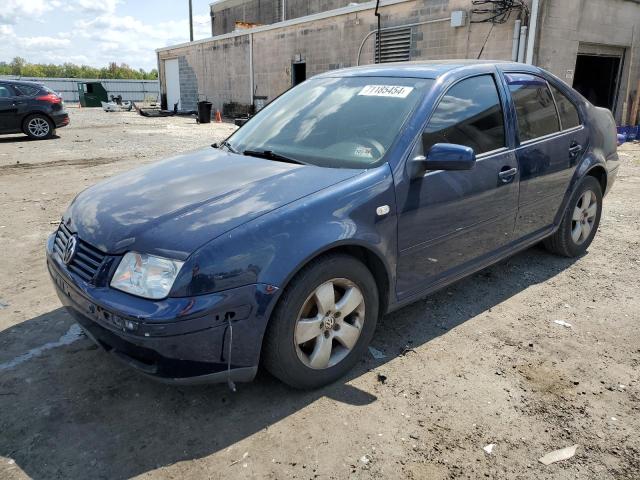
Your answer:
<point x="30" y="108"/>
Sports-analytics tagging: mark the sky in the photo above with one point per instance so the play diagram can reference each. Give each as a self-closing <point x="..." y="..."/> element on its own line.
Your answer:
<point x="96" y="32"/>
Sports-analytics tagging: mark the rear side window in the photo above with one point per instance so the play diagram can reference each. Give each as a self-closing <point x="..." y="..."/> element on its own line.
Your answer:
<point x="26" y="90"/>
<point x="5" y="91"/>
<point x="568" y="112"/>
<point x="469" y="114"/>
<point x="536" y="110"/>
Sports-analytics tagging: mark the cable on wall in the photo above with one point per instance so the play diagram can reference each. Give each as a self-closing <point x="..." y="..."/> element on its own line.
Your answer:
<point x="497" y="11"/>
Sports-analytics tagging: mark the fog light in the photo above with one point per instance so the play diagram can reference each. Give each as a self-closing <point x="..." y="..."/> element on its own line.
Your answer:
<point x="130" y="325"/>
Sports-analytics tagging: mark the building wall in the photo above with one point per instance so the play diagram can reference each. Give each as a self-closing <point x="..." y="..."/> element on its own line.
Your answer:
<point x="266" y="12"/>
<point x="221" y="65"/>
<point x="566" y="25"/>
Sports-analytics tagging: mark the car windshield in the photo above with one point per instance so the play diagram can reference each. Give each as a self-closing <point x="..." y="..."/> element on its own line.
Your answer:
<point x="347" y="122"/>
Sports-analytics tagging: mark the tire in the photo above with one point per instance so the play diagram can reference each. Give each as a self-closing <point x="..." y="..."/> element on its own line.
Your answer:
<point x="38" y="127"/>
<point x="292" y="351"/>
<point x="580" y="221"/>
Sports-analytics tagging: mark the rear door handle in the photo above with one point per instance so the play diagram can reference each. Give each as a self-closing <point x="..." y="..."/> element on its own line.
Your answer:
<point x="507" y="174"/>
<point x="575" y="149"/>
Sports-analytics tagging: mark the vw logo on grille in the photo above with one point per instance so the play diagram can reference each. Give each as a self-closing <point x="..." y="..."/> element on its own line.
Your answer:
<point x="70" y="249"/>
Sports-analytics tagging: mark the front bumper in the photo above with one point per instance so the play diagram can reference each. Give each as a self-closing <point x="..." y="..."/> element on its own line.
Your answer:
<point x="178" y="340"/>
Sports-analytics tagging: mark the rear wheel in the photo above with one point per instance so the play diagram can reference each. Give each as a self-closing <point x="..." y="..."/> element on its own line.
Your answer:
<point x="580" y="221"/>
<point x="38" y="127"/>
<point x="323" y="323"/>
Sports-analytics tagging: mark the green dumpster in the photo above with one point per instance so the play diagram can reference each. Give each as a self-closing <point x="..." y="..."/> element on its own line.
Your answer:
<point x="91" y="94"/>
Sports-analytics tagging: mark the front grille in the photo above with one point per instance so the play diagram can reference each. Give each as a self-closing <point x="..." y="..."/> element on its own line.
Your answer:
<point x="87" y="260"/>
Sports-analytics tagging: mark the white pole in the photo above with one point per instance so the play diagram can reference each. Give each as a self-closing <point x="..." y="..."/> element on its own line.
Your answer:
<point x="516" y="40"/>
<point x="523" y="42"/>
<point x="251" y="81"/>
<point x="533" y="29"/>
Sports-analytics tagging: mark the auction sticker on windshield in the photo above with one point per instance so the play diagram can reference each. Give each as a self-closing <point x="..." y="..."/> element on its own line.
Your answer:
<point x="385" y="91"/>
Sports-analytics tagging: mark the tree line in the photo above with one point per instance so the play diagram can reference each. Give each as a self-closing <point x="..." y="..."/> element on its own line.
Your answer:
<point x="20" y="67"/>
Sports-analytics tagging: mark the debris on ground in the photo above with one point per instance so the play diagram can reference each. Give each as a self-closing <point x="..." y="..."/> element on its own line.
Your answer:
<point x="406" y="349"/>
<point x="558" y="455"/>
<point x="488" y="448"/>
<point x="563" y="323"/>
<point x="365" y="459"/>
<point x="377" y="354"/>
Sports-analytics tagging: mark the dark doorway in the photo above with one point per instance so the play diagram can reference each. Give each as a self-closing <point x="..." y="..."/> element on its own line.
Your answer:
<point x="298" y="73"/>
<point x="597" y="78"/>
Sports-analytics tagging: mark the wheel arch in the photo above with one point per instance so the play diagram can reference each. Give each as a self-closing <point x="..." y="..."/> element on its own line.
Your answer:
<point x="368" y="256"/>
<point x="26" y="116"/>
<point x="600" y="174"/>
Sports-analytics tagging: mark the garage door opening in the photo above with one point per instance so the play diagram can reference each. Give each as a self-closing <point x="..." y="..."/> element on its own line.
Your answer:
<point x="298" y="73"/>
<point x="598" y="79"/>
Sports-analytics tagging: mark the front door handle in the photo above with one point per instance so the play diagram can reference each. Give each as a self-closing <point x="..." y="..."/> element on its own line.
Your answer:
<point x="507" y="174"/>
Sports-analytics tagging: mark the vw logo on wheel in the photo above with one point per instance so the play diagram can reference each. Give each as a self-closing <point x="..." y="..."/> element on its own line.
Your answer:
<point x="70" y="249"/>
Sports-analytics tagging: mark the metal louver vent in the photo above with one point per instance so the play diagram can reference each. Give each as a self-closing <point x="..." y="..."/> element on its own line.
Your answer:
<point x="395" y="46"/>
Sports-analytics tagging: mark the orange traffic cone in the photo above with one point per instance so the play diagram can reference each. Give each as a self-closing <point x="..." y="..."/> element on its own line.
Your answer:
<point x="218" y="117"/>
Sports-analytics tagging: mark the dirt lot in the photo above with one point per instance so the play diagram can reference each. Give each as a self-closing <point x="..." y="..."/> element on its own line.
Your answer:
<point x="482" y="362"/>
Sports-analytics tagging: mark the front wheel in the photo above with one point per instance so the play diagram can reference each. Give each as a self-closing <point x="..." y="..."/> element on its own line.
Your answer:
<point x="323" y="322"/>
<point x="580" y="220"/>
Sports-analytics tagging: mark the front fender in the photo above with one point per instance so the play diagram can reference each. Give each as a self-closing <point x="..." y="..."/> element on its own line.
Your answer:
<point x="272" y="248"/>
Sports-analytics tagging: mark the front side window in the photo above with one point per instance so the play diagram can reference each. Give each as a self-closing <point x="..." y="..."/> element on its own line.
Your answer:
<point x="345" y="122"/>
<point x="469" y="114"/>
<point x="567" y="110"/>
<point x="535" y="108"/>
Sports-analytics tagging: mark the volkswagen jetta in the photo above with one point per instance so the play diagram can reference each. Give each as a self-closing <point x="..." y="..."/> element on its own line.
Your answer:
<point x="351" y="195"/>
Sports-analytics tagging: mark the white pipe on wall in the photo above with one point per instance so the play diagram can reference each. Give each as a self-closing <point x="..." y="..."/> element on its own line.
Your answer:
<point x="522" y="43"/>
<point x="251" y="81"/>
<point x="533" y="30"/>
<point x="516" y="40"/>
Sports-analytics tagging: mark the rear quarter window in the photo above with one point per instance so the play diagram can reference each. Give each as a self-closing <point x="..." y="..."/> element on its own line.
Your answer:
<point x="535" y="108"/>
<point x="26" y="90"/>
<point x="568" y="112"/>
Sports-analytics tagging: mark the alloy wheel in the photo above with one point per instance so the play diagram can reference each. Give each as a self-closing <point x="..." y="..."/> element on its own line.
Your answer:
<point x="38" y="127"/>
<point x="329" y="324"/>
<point x="584" y="217"/>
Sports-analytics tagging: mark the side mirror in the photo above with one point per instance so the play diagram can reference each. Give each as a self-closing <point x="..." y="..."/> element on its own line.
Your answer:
<point x="443" y="156"/>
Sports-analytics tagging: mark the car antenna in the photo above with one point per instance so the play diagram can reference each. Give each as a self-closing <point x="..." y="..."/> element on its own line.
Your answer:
<point x="232" y="386"/>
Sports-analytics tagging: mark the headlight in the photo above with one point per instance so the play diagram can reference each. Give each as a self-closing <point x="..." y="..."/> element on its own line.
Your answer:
<point x="145" y="275"/>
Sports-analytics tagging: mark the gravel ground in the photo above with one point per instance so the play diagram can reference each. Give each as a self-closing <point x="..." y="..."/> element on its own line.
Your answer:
<point x="481" y="362"/>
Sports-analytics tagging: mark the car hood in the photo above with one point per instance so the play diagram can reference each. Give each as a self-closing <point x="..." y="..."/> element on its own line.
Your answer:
<point x="172" y="207"/>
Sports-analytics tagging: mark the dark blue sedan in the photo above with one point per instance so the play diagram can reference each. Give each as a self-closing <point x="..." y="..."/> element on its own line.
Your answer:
<point x="350" y="196"/>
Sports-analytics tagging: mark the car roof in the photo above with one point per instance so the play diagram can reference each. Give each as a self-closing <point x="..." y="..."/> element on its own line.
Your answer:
<point x="420" y="69"/>
<point x="20" y="82"/>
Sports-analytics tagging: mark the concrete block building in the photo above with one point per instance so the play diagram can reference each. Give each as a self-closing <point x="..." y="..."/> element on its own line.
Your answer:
<point x="263" y="47"/>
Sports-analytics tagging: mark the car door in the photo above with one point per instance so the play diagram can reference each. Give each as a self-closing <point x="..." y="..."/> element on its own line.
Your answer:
<point x="448" y="220"/>
<point x="8" y="109"/>
<point x="548" y="149"/>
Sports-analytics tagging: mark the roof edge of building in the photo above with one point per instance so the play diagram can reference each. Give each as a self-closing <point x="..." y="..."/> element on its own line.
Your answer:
<point x="287" y="23"/>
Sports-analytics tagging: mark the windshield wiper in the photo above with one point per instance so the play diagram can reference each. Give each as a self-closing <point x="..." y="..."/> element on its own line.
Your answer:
<point x="229" y="147"/>
<point x="271" y="155"/>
